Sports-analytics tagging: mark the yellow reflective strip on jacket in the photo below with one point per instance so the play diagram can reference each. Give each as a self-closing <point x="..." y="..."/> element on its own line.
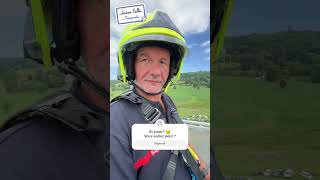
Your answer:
<point x="40" y="28"/>
<point x="155" y="30"/>
<point x="193" y="153"/>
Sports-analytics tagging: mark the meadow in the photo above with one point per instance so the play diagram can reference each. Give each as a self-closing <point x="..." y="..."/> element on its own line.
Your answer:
<point x="14" y="102"/>
<point x="189" y="100"/>
<point x="258" y="126"/>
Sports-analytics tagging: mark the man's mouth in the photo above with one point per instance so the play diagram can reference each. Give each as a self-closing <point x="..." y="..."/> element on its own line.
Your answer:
<point x="153" y="81"/>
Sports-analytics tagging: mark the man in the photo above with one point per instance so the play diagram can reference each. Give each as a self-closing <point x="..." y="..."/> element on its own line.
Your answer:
<point x="64" y="136"/>
<point x="150" y="57"/>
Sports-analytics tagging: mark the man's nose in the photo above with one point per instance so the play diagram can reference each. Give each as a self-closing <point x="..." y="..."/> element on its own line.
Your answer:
<point x="155" y="69"/>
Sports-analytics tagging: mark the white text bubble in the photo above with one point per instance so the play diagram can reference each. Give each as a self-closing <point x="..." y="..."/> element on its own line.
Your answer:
<point x="160" y="137"/>
<point x="130" y="14"/>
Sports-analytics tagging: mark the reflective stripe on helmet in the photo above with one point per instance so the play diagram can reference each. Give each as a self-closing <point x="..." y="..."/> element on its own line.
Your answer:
<point x="155" y="30"/>
<point x="217" y="44"/>
<point x="151" y="37"/>
<point x="39" y="23"/>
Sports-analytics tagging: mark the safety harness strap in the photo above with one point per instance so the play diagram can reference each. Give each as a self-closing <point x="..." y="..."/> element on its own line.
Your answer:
<point x="65" y="108"/>
<point x="185" y="153"/>
<point x="150" y="112"/>
<point x="192" y="164"/>
<point x="35" y="110"/>
<point x="171" y="167"/>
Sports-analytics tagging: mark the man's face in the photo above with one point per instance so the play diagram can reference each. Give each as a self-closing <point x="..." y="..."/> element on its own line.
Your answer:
<point x="152" y="65"/>
<point x="94" y="30"/>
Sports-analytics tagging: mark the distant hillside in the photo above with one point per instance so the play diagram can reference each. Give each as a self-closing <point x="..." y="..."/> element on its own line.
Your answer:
<point x="195" y="79"/>
<point x="22" y="75"/>
<point x="10" y="64"/>
<point x="290" y="53"/>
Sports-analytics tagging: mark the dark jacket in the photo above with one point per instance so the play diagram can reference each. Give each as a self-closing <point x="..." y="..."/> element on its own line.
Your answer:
<point x="122" y="157"/>
<point x="63" y="139"/>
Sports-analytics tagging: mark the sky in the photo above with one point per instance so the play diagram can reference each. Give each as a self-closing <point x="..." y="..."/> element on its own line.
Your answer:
<point x="12" y="14"/>
<point x="264" y="16"/>
<point x="192" y="19"/>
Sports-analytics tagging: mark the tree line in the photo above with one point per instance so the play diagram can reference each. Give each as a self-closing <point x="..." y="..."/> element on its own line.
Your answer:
<point x="194" y="79"/>
<point x="21" y="75"/>
<point x="273" y="56"/>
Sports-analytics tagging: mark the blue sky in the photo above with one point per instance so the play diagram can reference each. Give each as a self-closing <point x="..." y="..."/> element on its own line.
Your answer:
<point x="191" y="17"/>
<point x="199" y="52"/>
<point x="265" y="16"/>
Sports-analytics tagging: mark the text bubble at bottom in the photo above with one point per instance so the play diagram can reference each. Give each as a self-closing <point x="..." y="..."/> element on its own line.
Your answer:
<point x="163" y="137"/>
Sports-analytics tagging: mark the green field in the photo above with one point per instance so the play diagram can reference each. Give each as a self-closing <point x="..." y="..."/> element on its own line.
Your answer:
<point x="11" y="103"/>
<point x="189" y="100"/>
<point x="259" y="126"/>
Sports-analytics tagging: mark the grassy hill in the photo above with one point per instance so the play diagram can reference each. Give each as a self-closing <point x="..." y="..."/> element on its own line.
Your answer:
<point x="22" y="83"/>
<point x="191" y="94"/>
<point x="259" y="125"/>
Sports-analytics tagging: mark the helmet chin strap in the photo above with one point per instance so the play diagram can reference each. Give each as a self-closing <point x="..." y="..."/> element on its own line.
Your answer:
<point x="141" y="89"/>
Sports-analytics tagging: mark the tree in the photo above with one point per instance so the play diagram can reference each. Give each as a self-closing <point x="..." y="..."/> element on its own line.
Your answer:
<point x="315" y="75"/>
<point x="174" y="87"/>
<point x="272" y="74"/>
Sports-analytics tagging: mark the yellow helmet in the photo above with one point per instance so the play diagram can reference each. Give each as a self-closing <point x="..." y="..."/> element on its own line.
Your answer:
<point x="156" y="30"/>
<point x="51" y="32"/>
<point x="52" y="35"/>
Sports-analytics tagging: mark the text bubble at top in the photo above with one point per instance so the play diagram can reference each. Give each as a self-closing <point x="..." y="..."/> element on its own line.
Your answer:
<point x="130" y="14"/>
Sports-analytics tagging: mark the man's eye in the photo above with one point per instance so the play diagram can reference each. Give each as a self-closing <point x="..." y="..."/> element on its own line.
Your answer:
<point x="163" y="62"/>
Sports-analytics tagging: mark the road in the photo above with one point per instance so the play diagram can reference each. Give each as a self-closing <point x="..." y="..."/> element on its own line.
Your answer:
<point x="199" y="137"/>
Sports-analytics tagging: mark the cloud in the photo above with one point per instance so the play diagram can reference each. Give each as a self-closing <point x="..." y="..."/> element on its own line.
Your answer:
<point x="207" y="50"/>
<point x="192" y="45"/>
<point x="191" y="17"/>
<point x="113" y="52"/>
<point x="205" y="44"/>
<point x="113" y="73"/>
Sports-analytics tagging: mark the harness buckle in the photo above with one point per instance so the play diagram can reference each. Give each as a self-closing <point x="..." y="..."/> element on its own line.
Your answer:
<point x="152" y="114"/>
